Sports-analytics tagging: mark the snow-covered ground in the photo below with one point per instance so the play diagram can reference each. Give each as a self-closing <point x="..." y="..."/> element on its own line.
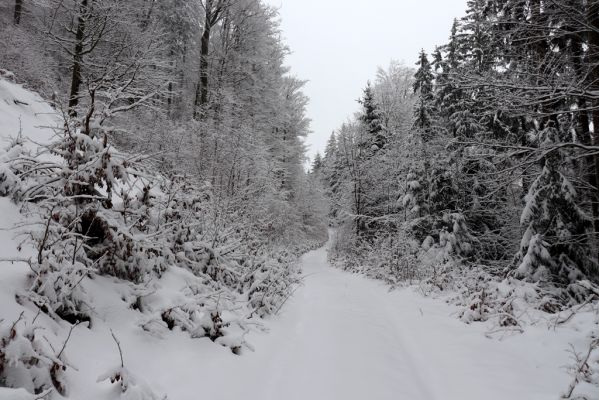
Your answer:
<point x="343" y="336"/>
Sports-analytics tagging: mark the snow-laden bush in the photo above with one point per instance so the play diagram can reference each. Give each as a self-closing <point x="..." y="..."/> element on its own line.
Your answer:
<point x="57" y="289"/>
<point x="9" y="156"/>
<point x="390" y="256"/>
<point x="73" y="237"/>
<point x="483" y="297"/>
<point x="201" y="320"/>
<point x="27" y="361"/>
<point x="397" y="256"/>
<point x="270" y="282"/>
<point x="507" y="303"/>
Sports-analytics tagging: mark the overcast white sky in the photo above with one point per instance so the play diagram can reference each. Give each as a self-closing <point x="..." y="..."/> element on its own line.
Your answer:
<point x="338" y="44"/>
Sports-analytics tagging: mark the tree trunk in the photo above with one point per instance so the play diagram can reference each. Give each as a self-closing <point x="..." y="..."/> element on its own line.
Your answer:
<point x="202" y="89"/>
<point x="78" y="58"/>
<point x="18" y="11"/>
<point x="148" y="16"/>
<point x="583" y="129"/>
<point x="593" y="62"/>
<point x="204" y="66"/>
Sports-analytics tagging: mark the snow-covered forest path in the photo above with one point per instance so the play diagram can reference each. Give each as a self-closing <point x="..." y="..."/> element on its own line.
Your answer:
<point x="342" y="342"/>
<point x="343" y="336"/>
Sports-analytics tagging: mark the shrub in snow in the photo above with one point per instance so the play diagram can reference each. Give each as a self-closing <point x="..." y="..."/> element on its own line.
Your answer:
<point x="482" y="297"/>
<point x="9" y="76"/>
<point x="91" y="173"/>
<point x="454" y="236"/>
<point x="450" y="243"/>
<point x="57" y="289"/>
<point x="398" y="256"/>
<point x="196" y="319"/>
<point x="202" y="312"/>
<point x="77" y="232"/>
<point x="210" y="325"/>
<point x="394" y="258"/>
<point x="391" y="256"/>
<point x="90" y="164"/>
<point x="27" y="361"/>
<point x="270" y="282"/>
<point x="482" y="294"/>
<point x="86" y="201"/>
<point x="9" y="181"/>
<point x="115" y="250"/>
<point x="182" y="317"/>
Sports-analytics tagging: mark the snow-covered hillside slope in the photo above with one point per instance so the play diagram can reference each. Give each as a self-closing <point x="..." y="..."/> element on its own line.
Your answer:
<point x="340" y="336"/>
<point x="203" y="299"/>
<point x="25" y="111"/>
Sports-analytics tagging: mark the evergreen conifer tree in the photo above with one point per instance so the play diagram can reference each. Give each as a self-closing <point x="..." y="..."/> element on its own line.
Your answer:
<point x="376" y="135"/>
<point x="423" y="85"/>
<point x="555" y="245"/>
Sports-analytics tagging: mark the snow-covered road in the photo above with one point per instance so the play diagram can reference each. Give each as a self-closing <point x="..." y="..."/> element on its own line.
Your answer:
<point x="342" y="342"/>
<point x="345" y="337"/>
<point x="340" y="337"/>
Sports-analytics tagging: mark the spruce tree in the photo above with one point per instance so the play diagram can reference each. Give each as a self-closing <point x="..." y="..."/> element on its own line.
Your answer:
<point x="376" y="135"/>
<point x="555" y="223"/>
<point x="317" y="164"/>
<point x="423" y="85"/>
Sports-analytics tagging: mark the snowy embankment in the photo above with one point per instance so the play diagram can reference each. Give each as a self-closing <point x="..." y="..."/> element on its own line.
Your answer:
<point x="171" y="271"/>
<point x="341" y="336"/>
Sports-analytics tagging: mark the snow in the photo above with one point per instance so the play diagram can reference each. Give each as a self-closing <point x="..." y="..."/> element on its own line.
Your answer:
<point x="341" y="336"/>
<point x="24" y="111"/>
<point x="15" y="394"/>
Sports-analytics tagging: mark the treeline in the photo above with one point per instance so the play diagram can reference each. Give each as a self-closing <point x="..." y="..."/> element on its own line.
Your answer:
<point x="201" y="84"/>
<point x="198" y="88"/>
<point x="179" y="144"/>
<point x="484" y="156"/>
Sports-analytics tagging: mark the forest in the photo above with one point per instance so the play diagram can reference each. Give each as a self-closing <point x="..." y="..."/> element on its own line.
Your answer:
<point x="482" y="156"/>
<point x="155" y="188"/>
